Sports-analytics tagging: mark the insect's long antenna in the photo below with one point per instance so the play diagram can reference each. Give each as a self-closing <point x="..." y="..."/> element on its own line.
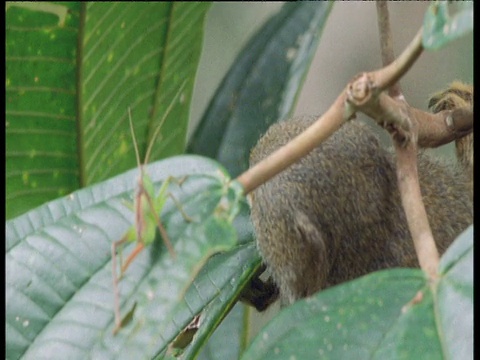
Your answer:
<point x="164" y="117"/>
<point x="135" y="144"/>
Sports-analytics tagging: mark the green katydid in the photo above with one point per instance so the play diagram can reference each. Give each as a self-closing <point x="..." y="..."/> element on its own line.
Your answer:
<point x="146" y="207"/>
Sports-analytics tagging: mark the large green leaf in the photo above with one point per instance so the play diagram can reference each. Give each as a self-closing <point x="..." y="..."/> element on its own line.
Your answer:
<point x="41" y="141"/>
<point x="390" y="314"/>
<point x="224" y="344"/>
<point x="441" y="28"/>
<point x="211" y="296"/>
<point x="455" y="298"/>
<point x="261" y="86"/>
<point x="229" y="274"/>
<point x="72" y="69"/>
<point x="59" y="283"/>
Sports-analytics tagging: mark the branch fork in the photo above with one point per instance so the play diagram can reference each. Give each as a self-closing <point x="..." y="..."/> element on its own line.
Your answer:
<point x="410" y="129"/>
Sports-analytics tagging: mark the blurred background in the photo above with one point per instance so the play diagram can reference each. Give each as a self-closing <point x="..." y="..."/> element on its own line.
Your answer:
<point x="349" y="45"/>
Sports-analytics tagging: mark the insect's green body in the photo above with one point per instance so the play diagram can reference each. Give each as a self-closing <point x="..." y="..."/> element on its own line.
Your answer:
<point x="147" y="208"/>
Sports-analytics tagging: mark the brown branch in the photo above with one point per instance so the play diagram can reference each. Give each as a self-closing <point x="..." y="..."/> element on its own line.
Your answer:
<point x="443" y="127"/>
<point x="410" y="128"/>
<point x="395" y="116"/>
<point x="300" y="146"/>
<point x="409" y="187"/>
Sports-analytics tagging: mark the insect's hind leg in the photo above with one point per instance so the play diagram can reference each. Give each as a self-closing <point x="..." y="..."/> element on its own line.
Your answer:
<point x="116" y="293"/>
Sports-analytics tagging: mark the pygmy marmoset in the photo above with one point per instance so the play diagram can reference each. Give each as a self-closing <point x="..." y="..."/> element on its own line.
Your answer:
<point x="336" y="214"/>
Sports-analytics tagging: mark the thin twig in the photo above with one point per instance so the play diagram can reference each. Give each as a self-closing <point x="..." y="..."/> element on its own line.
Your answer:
<point x="386" y="44"/>
<point x="391" y="74"/>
